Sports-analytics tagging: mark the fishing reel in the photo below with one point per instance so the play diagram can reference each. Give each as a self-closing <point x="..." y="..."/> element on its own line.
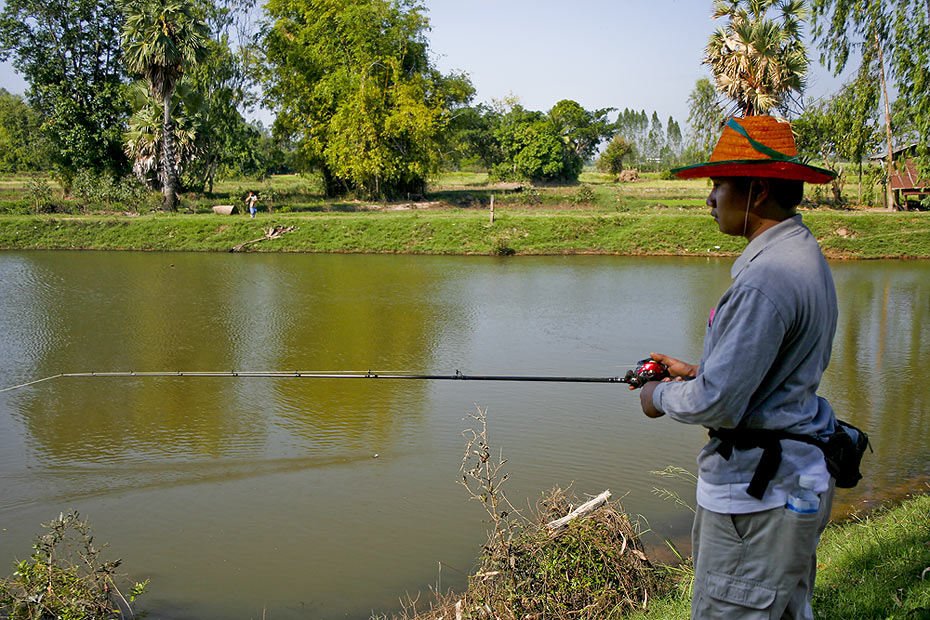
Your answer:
<point x="646" y="370"/>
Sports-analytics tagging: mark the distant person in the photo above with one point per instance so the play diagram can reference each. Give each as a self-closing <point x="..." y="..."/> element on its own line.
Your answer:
<point x="251" y="201"/>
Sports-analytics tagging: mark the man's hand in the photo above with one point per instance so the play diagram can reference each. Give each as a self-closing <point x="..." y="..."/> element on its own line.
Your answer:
<point x="677" y="369"/>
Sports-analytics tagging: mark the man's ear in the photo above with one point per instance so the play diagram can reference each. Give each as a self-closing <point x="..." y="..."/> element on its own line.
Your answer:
<point x="761" y="190"/>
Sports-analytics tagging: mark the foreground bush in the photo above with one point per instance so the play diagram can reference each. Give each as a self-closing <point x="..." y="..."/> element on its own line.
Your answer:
<point x="591" y="566"/>
<point x="66" y="578"/>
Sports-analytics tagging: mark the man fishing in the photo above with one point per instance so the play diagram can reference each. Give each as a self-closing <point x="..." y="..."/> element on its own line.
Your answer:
<point x="766" y="347"/>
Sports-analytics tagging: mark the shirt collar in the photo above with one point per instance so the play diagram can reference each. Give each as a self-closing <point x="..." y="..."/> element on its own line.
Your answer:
<point x="774" y="234"/>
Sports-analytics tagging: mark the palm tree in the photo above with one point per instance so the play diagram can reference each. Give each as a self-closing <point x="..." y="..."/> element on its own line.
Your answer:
<point x="143" y="140"/>
<point x="758" y="62"/>
<point x="160" y="39"/>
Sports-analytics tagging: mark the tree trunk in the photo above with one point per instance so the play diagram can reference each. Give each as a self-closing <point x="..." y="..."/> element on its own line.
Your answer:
<point x="889" y="195"/>
<point x="860" y="179"/>
<point x="168" y="159"/>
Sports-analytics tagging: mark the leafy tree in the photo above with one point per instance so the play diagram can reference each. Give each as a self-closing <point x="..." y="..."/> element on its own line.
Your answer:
<point x="611" y="160"/>
<point x="855" y="119"/>
<point x="68" y="51"/>
<point x="875" y="29"/>
<point x="162" y="39"/>
<point x="655" y="140"/>
<point x="756" y="61"/>
<point x="581" y="130"/>
<point x="223" y="80"/>
<point x="352" y="81"/>
<point x="532" y="149"/>
<point x="912" y="70"/>
<point x="634" y="126"/>
<point x="845" y="127"/>
<point x="673" y="143"/>
<point x="470" y="134"/>
<point x="22" y="146"/>
<point x="705" y="117"/>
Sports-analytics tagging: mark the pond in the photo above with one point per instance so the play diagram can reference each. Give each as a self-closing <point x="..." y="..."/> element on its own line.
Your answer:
<point x="256" y="497"/>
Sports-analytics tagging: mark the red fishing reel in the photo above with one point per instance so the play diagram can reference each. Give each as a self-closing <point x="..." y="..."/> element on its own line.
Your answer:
<point x="645" y="371"/>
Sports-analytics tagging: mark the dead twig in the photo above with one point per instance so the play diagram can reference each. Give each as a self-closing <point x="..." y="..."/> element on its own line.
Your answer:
<point x="272" y="232"/>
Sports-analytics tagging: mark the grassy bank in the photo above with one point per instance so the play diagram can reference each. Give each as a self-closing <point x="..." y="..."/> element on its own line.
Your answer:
<point x="841" y="234"/>
<point x="875" y="567"/>
<point x="597" y="215"/>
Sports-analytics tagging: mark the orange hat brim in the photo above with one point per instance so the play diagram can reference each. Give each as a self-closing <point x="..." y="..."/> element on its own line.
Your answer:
<point x="756" y="168"/>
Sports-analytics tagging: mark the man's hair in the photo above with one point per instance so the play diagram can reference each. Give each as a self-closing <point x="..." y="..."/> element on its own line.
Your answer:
<point x="788" y="193"/>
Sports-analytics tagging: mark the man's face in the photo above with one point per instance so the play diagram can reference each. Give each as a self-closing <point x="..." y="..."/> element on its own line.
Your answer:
<point x="728" y="203"/>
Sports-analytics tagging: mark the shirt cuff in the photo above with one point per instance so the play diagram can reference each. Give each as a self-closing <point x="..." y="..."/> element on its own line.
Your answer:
<point x="657" y="397"/>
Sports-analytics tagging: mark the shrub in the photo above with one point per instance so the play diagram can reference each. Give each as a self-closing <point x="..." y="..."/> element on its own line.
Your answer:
<point x="101" y="191"/>
<point x="66" y="578"/>
<point x="583" y="195"/>
<point x="15" y="207"/>
<point x="39" y="192"/>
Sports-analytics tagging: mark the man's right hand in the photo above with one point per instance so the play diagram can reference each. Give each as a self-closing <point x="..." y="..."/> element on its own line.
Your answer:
<point x="677" y="369"/>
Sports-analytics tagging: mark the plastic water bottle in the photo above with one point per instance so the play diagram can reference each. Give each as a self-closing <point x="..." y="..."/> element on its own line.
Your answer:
<point x="802" y="498"/>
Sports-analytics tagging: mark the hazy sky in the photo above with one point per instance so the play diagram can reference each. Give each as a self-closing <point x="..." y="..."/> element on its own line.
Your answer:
<point x="641" y="54"/>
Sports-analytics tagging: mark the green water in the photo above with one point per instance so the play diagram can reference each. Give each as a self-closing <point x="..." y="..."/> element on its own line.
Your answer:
<point x="262" y="497"/>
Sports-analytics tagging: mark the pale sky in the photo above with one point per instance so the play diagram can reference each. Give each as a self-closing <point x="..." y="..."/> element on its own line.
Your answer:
<point x="640" y="54"/>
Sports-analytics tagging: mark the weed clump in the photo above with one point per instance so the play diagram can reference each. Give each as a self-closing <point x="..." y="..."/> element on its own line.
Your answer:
<point x="588" y="566"/>
<point x="594" y="567"/>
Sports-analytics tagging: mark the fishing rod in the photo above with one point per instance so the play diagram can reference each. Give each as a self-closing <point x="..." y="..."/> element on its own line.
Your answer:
<point x="646" y="370"/>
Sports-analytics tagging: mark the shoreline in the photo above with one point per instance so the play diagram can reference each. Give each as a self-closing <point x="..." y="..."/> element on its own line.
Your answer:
<point x="842" y="235"/>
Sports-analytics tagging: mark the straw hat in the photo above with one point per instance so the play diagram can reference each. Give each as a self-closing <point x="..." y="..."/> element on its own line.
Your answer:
<point x="756" y="146"/>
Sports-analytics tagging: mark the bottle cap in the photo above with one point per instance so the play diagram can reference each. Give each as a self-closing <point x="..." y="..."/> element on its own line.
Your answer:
<point x="807" y="481"/>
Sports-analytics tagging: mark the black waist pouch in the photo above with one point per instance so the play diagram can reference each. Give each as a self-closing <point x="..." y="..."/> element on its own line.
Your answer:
<point x="843" y="452"/>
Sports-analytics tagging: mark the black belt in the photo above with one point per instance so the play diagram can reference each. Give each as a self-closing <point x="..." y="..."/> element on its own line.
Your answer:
<point x="767" y="439"/>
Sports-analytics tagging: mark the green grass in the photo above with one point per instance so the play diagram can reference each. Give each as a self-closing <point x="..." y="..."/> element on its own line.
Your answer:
<point x="663" y="232"/>
<point x="877" y="567"/>
<point x="597" y="215"/>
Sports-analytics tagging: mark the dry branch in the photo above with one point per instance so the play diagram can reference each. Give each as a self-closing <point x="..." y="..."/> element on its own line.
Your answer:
<point x="272" y="232"/>
<point x="587" y="507"/>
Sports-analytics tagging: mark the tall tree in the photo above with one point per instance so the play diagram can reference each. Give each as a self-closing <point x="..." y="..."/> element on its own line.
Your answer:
<point x="705" y="117"/>
<point x="894" y="37"/>
<point x="162" y="39"/>
<point x="353" y="82"/>
<point x="22" y="145"/>
<point x="912" y="72"/>
<point x="655" y="140"/>
<point x="758" y="62"/>
<point x="611" y="160"/>
<point x="224" y="80"/>
<point x="673" y="142"/>
<point x="582" y="130"/>
<point x="69" y="53"/>
<point x="144" y="140"/>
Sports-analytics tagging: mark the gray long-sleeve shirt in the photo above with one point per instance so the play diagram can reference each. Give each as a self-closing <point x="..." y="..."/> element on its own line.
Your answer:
<point x="765" y="350"/>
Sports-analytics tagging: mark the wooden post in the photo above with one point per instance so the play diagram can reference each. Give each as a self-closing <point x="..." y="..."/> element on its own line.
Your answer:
<point x="492" y="209"/>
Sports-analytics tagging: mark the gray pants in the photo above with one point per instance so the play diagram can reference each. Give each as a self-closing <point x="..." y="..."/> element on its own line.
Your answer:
<point x="756" y="566"/>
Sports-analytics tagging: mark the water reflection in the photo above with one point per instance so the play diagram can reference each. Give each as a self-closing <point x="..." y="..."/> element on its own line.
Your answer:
<point x="215" y="487"/>
<point x="875" y="378"/>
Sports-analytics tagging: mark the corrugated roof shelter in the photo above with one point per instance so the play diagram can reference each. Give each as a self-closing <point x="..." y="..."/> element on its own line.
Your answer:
<point x="905" y="182"/>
